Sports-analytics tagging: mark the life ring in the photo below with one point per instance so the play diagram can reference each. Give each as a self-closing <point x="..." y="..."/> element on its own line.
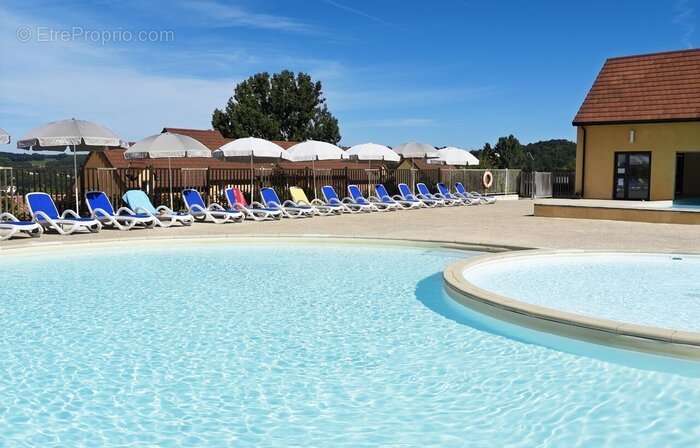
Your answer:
<point x="487" y="180"/>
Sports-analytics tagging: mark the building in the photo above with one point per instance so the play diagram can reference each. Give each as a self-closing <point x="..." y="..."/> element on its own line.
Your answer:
<point x="638" y="130"/>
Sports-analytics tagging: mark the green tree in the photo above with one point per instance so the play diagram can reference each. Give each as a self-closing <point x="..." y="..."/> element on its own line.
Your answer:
<point x="283" y="106"/>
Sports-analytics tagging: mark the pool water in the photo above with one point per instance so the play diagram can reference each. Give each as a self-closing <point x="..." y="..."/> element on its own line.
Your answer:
<point x="257" y="345"/>
<point x="655" y="290"/>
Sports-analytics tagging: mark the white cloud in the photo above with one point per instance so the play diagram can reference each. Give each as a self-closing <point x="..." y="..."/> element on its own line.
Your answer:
<point x="356" y="11"/>
<point x="219" y="14"/>
<point x="684" y="16"/>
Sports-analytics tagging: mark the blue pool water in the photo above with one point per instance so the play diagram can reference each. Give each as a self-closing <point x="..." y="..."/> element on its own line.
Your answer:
<point x="222" y="344"/>
<point x="657" y="290"/>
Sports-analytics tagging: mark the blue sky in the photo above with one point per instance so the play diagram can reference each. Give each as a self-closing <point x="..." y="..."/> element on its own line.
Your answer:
<point x="446" y="72"/>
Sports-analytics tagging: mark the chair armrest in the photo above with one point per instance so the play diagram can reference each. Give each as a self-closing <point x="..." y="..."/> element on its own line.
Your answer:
<point x="7" y="216"/>
<point x="165" y="209"/>
<point x="216" y="207"/>
<point x="255" y="204"/>
<point x="125" y="211"/>
<point x="70" y="213"/>
<point x="289" y="203"/>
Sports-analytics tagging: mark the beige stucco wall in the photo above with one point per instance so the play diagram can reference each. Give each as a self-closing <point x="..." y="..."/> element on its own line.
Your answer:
<point x="664" y="140"/>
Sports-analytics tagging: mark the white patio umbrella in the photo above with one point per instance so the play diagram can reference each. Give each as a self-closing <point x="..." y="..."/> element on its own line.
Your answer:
<point x="311" y="151"/>
<point x="455" y="156"/>
<point x="371" y="151"/>
<point x="81" y="135"/>
<point x="4" y="137"/>
<point x="414" y="150"/>
<point x="167" y="145"/>
<point x="251" y="149"/>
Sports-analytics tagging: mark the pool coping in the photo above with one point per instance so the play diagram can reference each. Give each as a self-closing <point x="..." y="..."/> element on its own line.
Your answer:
<point x="34" y="246"/>
<point x="649" y="339"/>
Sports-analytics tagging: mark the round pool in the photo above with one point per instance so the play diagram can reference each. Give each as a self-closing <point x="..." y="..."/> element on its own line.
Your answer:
<point x="220" y="343"/>
<point x="656" y="290"/>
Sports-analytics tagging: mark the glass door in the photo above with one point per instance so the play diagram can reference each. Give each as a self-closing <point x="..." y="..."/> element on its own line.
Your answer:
<point x="632" y="175"/>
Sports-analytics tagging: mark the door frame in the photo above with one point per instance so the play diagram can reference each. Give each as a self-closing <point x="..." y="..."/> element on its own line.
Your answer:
<point x="614" y="185"/>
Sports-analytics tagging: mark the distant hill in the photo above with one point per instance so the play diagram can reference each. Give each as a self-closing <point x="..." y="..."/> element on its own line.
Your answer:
<point x="552" y="155"/>
<point x="34" y="160"/>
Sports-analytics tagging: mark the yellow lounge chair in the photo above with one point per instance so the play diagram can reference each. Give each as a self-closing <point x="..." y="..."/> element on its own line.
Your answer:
<point x="299" y="197"/>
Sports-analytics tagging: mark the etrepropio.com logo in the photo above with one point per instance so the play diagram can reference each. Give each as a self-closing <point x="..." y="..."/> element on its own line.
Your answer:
<point x="101" y="37"/>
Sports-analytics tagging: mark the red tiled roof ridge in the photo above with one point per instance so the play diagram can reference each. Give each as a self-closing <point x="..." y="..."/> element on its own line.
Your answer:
<point x="658" y="53"/>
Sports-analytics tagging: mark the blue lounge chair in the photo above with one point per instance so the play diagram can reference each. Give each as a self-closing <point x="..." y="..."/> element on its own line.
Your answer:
<point x="289" y="209"/>
<point x="358" y="198"/>
<point x="44" y="212"/>
<point x="407" y="195"/>
<point x="11" y="226"/>
<point x="384" y="196"/>
<point x="483" y="199"/>
<point x="139" y="202"/>
<point x="331" y="198"/>
<point x="445" y="193"/>
<point x="123" y="219"/>
<point x="256" y="213"/>
<point x="424" y="192"/>
<point x="212" y="213"/>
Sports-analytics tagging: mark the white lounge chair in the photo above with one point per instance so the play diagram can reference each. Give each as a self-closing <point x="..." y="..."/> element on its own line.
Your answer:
<point x="11" y="226"/>
<point x="212" y="213"/>
<point x="164" y="216"/>
<point x="348" y="204"/>
<point x="123" y="219"/>
<point x="358" y="198"/>
<point x="289" y="209"/>
<point x="44" y="212"/>
<point x="236" y="201"/>
<point x="384" y="196"/>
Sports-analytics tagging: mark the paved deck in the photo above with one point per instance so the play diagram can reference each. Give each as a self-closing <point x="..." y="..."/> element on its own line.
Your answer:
<point x="507" y="223"/>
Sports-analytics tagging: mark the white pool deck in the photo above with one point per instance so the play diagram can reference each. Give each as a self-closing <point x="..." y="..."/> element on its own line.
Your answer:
<point x="506" y="223"/>
<point x="629" y="205"/>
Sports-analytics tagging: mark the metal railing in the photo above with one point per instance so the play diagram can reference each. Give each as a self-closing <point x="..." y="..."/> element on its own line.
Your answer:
<point x="558" y="184"/>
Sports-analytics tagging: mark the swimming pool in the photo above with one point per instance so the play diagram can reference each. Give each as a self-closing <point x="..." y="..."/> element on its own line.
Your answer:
<point x="207" y="344"/>
<point x="656" y="290"/>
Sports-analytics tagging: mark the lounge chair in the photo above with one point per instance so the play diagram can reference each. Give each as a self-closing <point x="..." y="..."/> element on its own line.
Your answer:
<point x="123" y="219"/>
<point x="384" y="196"/>
<point x="424" y="192"/>
<point x="299" y="197"/>
<point x="483" y="199"/>
<point x="11" y="226"/>
<point x="44" y="212"/>
<point x="407" y="195"/>
<point x="139" y="202"/>
<point x="356" y="195"/>
<point x="288" y="208"/>
<point x="212" y="213"/>
<point x="445" y="193"/>
<point x="257" y="212"/>
<point x="350" y="206"/>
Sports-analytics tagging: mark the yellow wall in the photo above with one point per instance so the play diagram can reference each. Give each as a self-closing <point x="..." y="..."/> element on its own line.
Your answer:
<point x="664" y="140"/>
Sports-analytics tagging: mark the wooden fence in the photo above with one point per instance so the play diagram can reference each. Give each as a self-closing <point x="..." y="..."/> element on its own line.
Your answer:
<point x="212" y="182"/>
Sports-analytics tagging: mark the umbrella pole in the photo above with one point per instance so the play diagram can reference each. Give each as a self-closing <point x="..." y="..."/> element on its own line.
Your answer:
<point x="313" y="168"/>
<point x="252" y="174"/>
<point x="170" y="178"/>
<point x="75" y="179"/>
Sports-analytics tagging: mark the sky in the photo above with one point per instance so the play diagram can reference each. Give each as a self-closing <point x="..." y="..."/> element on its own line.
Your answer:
<point x="445" y="72"/>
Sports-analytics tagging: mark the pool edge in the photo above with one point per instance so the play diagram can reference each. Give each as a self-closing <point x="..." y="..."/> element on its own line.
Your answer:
<point x="648" y="339"/>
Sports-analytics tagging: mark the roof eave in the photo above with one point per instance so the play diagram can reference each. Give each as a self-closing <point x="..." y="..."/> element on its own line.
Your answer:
<point x="645" y="121"/>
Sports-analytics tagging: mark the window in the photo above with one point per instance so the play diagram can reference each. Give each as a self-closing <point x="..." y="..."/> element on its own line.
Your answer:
<point x="632" y="175"/>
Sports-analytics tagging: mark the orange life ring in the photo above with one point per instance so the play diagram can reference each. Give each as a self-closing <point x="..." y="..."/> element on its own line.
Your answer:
<point x="487" y="180"/>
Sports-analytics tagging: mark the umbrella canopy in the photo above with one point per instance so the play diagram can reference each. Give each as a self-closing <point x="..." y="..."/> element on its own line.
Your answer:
<point x="413" y="150"/>
<point x="253" y="150"/>
<point x="243" y="149"/>
<point x="167" y="145"/>
<point x="455" y="156"/>
<point x="312" y="150"/>
<point x="80" y="134"/>
<point x="371" y="151"/>
<point x="4" y="137"/>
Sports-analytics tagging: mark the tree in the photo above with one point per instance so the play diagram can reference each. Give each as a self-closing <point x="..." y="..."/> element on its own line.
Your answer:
<point x="278" y="107"/>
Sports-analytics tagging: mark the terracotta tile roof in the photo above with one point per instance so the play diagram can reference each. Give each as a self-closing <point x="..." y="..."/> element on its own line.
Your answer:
<point x="645" y="88"/>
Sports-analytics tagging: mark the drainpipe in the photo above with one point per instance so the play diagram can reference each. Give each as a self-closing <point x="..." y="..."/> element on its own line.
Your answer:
<point x="583" y="162"/>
